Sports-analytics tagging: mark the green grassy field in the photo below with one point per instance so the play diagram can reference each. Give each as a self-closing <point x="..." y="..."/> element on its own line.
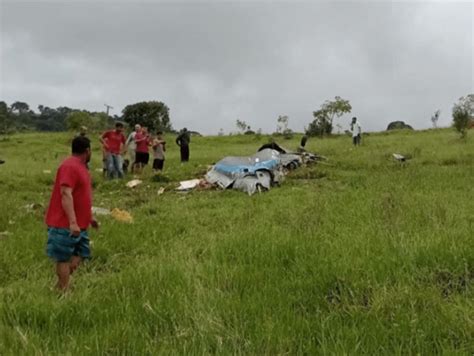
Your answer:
<point x="359" y="255"/>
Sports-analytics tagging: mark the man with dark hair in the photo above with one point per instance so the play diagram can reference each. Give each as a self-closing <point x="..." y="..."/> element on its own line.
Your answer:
<point x="69" y="213"/>
<point x="356" y="131"/>
<point x="114" y="145"/>
<point x="183" y="140"/>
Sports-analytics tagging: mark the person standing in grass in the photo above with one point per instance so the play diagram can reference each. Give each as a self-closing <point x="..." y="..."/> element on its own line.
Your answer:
<point x="142" y="138"/>
<point x="159" y="148"/>
<point x="356" y="131"/>
<point x="69" y="213"/>
<point x="114" y="143"/>
<point x="131" y="144"/>
<point x="82" y="131"/>
<point x="304" y="139"/>
<point x="183" y="140"/>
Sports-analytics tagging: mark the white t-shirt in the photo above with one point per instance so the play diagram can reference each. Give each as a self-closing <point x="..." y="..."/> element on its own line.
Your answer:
<point x="356" y="129"/>
<point x="131" y="141"/>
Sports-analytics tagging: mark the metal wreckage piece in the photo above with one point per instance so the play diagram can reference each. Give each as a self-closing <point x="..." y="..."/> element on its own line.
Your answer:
<point x="258" y="172"/>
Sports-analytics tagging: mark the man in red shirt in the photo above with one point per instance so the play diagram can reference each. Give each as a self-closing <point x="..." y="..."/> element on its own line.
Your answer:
<point x="69" y="213"/>
<point x="114" y="144"/>
<point x="142" y="155"/>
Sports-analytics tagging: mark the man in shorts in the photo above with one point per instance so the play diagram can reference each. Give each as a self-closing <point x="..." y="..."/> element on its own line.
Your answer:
<point x="142" y="155"/>
<point x="69" y="213"/>
<point x="159" y="148"/>
<point x="114" y="144"/>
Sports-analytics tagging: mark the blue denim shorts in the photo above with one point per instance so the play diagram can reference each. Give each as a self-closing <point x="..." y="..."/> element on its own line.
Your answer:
<point x="62" y="245"/>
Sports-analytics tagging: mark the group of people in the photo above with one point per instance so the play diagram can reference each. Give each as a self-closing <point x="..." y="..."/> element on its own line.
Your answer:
<point x="69" y="212"/>
<point x="115" y="146"/>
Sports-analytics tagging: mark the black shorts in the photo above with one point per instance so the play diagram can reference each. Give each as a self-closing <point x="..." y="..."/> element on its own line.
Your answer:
<point x="142" y="157"/>
<point x="158" y="164"/>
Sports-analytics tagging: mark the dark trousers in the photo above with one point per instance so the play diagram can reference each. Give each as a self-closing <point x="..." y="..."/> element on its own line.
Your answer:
<point x="356" y="140"/>
<point x="184" y="153"/>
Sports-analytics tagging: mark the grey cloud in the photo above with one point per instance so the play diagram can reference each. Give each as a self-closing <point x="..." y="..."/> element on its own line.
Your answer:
<point x="215" y="62"/>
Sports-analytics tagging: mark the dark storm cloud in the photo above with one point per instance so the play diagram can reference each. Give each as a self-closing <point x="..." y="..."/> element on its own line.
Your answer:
<point x="215" y="62"/>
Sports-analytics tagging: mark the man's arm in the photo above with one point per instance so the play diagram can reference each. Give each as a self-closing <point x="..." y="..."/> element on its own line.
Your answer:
<point x="67" y="203"/>
<point x="103" y="140"/>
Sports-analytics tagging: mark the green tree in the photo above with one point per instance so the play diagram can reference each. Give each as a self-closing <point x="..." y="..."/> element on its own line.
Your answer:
<point x="152" y="114"/>
<point x="324" y="117"/>
<point x="282" y="124"/>
<point x="76" y="119"/>
<point x="101" y="121"/>
<point x="20" y="107"/>
<point x="463" y="113"/>
<point x="5" y="122"/>
<point x="242" y="125"/>
<point x="51" y="119"/>
<point x="435" y="118"/>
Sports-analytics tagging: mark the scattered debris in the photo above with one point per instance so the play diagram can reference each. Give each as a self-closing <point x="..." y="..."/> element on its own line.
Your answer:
<point x="399" y="157"/>
<point x="100" y="211"/>
<point x="204" y="185"/>
<point x="47" y="171"/>
<point x="122" y="215"/>
<point x="33" y="206"/>
<point x="188" y="184"/>
<point x="5" y="233"/>
<point x="99" y="170"/>
<point x="133" y="183"/>
<point x="161" y="190"/>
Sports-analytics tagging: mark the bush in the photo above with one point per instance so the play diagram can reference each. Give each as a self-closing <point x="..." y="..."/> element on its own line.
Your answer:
<point x="463" y="113"/>
<point x="461" y="120"/>
<point x="288" y="134"/>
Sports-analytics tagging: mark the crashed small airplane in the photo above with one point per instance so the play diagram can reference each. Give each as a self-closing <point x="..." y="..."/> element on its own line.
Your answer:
<point x="258" y="172"/>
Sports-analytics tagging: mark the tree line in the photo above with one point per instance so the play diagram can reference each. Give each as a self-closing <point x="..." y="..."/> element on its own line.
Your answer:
<point x="20" y="117"/>
<point x="155" y="115"/>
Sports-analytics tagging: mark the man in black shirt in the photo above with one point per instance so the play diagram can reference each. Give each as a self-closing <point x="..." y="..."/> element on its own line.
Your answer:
<point x="303" y="142"/>
<point x="183" y="140"/>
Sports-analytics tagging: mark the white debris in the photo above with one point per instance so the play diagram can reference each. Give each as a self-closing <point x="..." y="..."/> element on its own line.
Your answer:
<point x="100" y="211"/>
<point x="188" y="184"/>
<point x="399" y="157"/>
<point x="133" y="183"/>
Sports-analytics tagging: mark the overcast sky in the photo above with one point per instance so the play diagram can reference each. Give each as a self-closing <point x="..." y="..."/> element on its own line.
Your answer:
<point x="215" y="62"/>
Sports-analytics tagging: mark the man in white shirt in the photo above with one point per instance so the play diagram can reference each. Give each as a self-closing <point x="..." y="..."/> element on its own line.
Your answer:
<point x="131" y="144"/>
<point x="356" y="131"/>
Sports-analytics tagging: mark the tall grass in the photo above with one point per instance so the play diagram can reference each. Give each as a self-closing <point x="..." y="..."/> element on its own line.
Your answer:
<point x="359" y="255"/>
